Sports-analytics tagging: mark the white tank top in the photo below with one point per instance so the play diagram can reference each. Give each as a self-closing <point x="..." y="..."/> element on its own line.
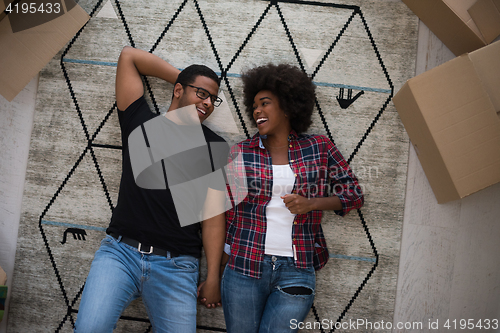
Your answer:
<point x="279" y="219"/>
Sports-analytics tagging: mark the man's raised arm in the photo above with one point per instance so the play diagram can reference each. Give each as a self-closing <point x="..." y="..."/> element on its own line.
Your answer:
<point x="133" y="63"/>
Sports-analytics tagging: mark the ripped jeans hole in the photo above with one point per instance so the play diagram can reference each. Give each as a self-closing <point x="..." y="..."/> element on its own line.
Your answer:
<point x="297" y="290"/>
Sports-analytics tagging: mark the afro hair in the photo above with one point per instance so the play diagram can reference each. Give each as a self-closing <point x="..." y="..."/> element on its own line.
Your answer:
<point x="294" y="89"/>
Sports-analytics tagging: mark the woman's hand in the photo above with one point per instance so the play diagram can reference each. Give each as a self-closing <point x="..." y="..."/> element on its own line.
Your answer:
<point x="298" y="204"/>
<point x="209" y="293"/>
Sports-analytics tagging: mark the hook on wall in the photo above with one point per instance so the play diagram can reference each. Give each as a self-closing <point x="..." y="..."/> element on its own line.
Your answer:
<point x="346" y="102"/>
<point x="76" y="232"/>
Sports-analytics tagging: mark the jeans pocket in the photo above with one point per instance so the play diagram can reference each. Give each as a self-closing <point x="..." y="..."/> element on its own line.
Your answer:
<point x="187" y="263"/>
<point x="108" y="240"/>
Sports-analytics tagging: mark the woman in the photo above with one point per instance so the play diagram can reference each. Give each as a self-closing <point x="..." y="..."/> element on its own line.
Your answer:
<point x="274" y="236"/>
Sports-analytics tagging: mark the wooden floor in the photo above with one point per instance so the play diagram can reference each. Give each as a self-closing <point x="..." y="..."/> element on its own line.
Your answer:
<point x="449" y="266"/>
<point x="16" y="122"/>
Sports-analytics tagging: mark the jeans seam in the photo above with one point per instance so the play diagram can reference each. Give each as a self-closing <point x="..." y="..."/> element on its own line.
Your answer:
<point x="150" y="317"/>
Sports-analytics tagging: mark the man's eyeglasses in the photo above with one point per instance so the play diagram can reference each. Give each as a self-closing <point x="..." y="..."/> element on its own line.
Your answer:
<point x="203" y="94"/>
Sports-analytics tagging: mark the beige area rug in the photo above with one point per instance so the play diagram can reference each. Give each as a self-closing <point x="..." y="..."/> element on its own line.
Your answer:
<point x="364" y="50"/>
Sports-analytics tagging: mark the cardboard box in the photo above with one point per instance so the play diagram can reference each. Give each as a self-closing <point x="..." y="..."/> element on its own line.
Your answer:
<point x="28" y="41"/>
<point x="451" y="115"/>
<point x="462" y="25"/>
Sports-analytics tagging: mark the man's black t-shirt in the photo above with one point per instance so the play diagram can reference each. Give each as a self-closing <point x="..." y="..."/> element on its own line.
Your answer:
<point x="149" y="215"/>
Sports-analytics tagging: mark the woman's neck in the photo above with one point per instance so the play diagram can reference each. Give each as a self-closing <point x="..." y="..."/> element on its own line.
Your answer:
<point x="276" y="142"/>
<point x="278" y="139"/>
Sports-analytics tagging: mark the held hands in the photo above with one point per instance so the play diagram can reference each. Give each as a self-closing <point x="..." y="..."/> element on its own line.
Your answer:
<point x="298" y="204"/>
<point x="209" y="293"/>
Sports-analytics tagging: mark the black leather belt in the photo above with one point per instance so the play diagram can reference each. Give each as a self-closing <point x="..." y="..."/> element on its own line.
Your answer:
<point x="142" y="248"/>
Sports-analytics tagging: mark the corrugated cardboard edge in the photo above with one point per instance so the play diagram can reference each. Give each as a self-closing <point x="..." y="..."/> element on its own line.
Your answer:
<point x="486" y="15"/>
<point x="446" y="25"/>
<point x="21" y="60"/>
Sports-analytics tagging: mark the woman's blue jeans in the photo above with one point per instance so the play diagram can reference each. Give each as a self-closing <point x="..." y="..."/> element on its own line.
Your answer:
<point x="265" y="305"/>
<point x="120" y="273"/>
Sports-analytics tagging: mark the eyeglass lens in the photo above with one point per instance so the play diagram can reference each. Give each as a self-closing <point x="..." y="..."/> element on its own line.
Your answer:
<point x="203" y="94"/>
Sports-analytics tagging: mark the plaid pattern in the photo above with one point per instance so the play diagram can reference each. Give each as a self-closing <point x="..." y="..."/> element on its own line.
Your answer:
<point x="320" y="171"/>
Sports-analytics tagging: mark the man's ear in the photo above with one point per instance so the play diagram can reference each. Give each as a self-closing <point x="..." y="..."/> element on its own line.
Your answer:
<point x="178" y="90"/>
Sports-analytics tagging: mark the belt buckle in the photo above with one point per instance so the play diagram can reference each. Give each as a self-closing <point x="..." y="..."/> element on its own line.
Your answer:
<point x="139" y="248"/>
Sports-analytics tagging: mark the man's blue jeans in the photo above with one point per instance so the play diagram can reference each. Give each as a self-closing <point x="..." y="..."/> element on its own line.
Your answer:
<point x="119" y="274"/>
<point x="267" y="305"/>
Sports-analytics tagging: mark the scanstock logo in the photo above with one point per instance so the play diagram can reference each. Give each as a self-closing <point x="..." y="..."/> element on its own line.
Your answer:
<point x="27" y="14"/>
<point x="171" y="152"/>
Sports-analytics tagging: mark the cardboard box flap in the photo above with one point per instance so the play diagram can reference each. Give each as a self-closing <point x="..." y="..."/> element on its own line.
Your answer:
<point x="487" y="65"/>
<point x="25" y="52"/>
<point x="486" y="16"/>
<point x="444" y="21"/>
<point x="406" y="102"/>
<point x="461" y="9"/>
<point x="461" y="119"/>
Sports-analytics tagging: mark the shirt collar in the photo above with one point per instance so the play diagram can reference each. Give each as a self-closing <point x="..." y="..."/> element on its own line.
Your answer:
<point x="256" y="140"/>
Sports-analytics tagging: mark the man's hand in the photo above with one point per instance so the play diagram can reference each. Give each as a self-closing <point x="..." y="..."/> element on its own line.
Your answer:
<point x="133" y="63"/>
<point x="209" y="293"/>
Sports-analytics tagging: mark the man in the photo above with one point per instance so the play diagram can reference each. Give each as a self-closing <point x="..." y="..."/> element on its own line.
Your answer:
<point x="147" y="253"/>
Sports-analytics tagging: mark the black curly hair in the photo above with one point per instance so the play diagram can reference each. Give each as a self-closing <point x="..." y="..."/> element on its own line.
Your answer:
<point x="189" y="74"/>
<point x="294" y="89"/>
